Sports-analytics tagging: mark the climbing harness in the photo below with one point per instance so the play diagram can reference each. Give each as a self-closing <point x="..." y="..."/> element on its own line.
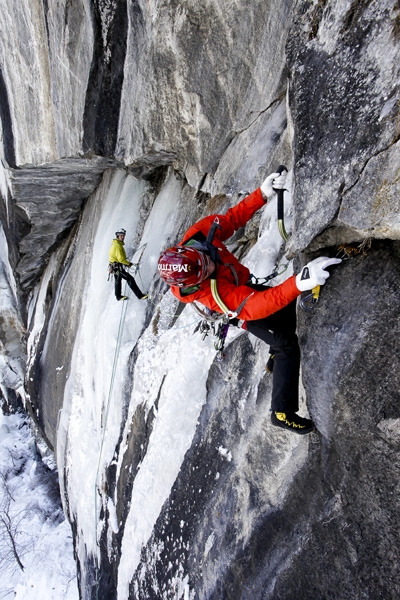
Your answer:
<point x="213" y="321"/>
<point x="219" y="328"/>
<point x="230" y="314"/>
<point x="115" y="267"/>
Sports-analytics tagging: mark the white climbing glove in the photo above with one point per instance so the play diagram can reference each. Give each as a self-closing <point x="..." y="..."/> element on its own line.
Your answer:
<point x="275" y="180"/>
<point x="314" y="273"/>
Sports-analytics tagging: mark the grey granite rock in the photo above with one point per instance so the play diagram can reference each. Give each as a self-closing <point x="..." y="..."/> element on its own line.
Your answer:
<point x="344" y="97"/>
<point x="193" y="100"/>
<point x="51" y="198"/>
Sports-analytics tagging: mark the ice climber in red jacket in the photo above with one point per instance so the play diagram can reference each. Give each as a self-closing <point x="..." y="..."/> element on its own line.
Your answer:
<point x="201" y="268"/>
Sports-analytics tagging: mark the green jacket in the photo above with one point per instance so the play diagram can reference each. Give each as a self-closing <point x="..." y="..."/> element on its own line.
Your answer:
<point x="117" y="253"/>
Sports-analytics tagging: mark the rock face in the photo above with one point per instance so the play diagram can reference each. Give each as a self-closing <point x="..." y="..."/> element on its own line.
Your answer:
<point x="344" y="101"/>
<point x="137" y="114"/>
<point x="51" y="198"/>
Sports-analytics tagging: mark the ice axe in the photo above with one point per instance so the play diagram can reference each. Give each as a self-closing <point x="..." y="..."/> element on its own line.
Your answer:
<point x="308" y="302"/>
<point x="279" y="193"/>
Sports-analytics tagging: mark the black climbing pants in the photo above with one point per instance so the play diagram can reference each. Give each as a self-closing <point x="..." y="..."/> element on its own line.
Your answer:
<point x="279" y="331"/>
<point x="119" y="274"/>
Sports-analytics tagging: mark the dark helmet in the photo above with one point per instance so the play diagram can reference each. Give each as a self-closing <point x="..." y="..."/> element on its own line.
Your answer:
<point x="120" y="232"/>
<point x="184" y="266"/>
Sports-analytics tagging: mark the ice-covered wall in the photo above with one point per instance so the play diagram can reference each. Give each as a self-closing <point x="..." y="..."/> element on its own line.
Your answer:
<point x="12" y="350"/>
<point x="149" y="115"/>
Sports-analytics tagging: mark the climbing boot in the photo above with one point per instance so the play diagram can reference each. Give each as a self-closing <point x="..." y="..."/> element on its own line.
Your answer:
<point x="144" y="297"/>
<point x="292" y="421"/>
<point x="124" y="298"/>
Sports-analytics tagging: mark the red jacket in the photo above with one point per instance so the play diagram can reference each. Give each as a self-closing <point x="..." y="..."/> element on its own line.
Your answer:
<point x="258" y="304"/>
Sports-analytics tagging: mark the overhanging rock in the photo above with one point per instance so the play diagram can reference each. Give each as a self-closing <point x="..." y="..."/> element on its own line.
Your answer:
<point x="51" y="197"/>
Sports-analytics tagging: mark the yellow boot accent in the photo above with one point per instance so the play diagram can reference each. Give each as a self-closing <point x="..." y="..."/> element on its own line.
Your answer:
<point x="282" y="417"/>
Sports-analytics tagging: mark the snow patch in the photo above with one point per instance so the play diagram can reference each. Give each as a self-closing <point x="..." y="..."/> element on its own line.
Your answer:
<point x="42" y="535"/>
<point x="225" y="453"/>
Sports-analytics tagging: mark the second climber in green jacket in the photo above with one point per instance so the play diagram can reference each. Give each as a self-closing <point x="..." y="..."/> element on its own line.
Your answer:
<point x="118" y="262"/>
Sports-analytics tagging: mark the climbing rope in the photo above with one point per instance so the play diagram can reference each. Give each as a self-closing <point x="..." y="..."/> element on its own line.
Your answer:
<point x="104" y="425"/>
<point x="108" y="404"/>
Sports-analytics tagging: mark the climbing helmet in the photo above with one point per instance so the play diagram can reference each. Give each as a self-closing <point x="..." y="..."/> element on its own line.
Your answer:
<point x="184" y="266"/>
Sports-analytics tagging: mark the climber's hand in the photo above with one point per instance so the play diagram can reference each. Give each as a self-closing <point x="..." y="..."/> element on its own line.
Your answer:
<point x="314" y="273"/>
<point x="274" y="181"/>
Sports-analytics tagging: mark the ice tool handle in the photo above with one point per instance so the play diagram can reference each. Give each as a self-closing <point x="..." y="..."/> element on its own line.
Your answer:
<point x="308" y="302"/>
<point x="279" y="193"/>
